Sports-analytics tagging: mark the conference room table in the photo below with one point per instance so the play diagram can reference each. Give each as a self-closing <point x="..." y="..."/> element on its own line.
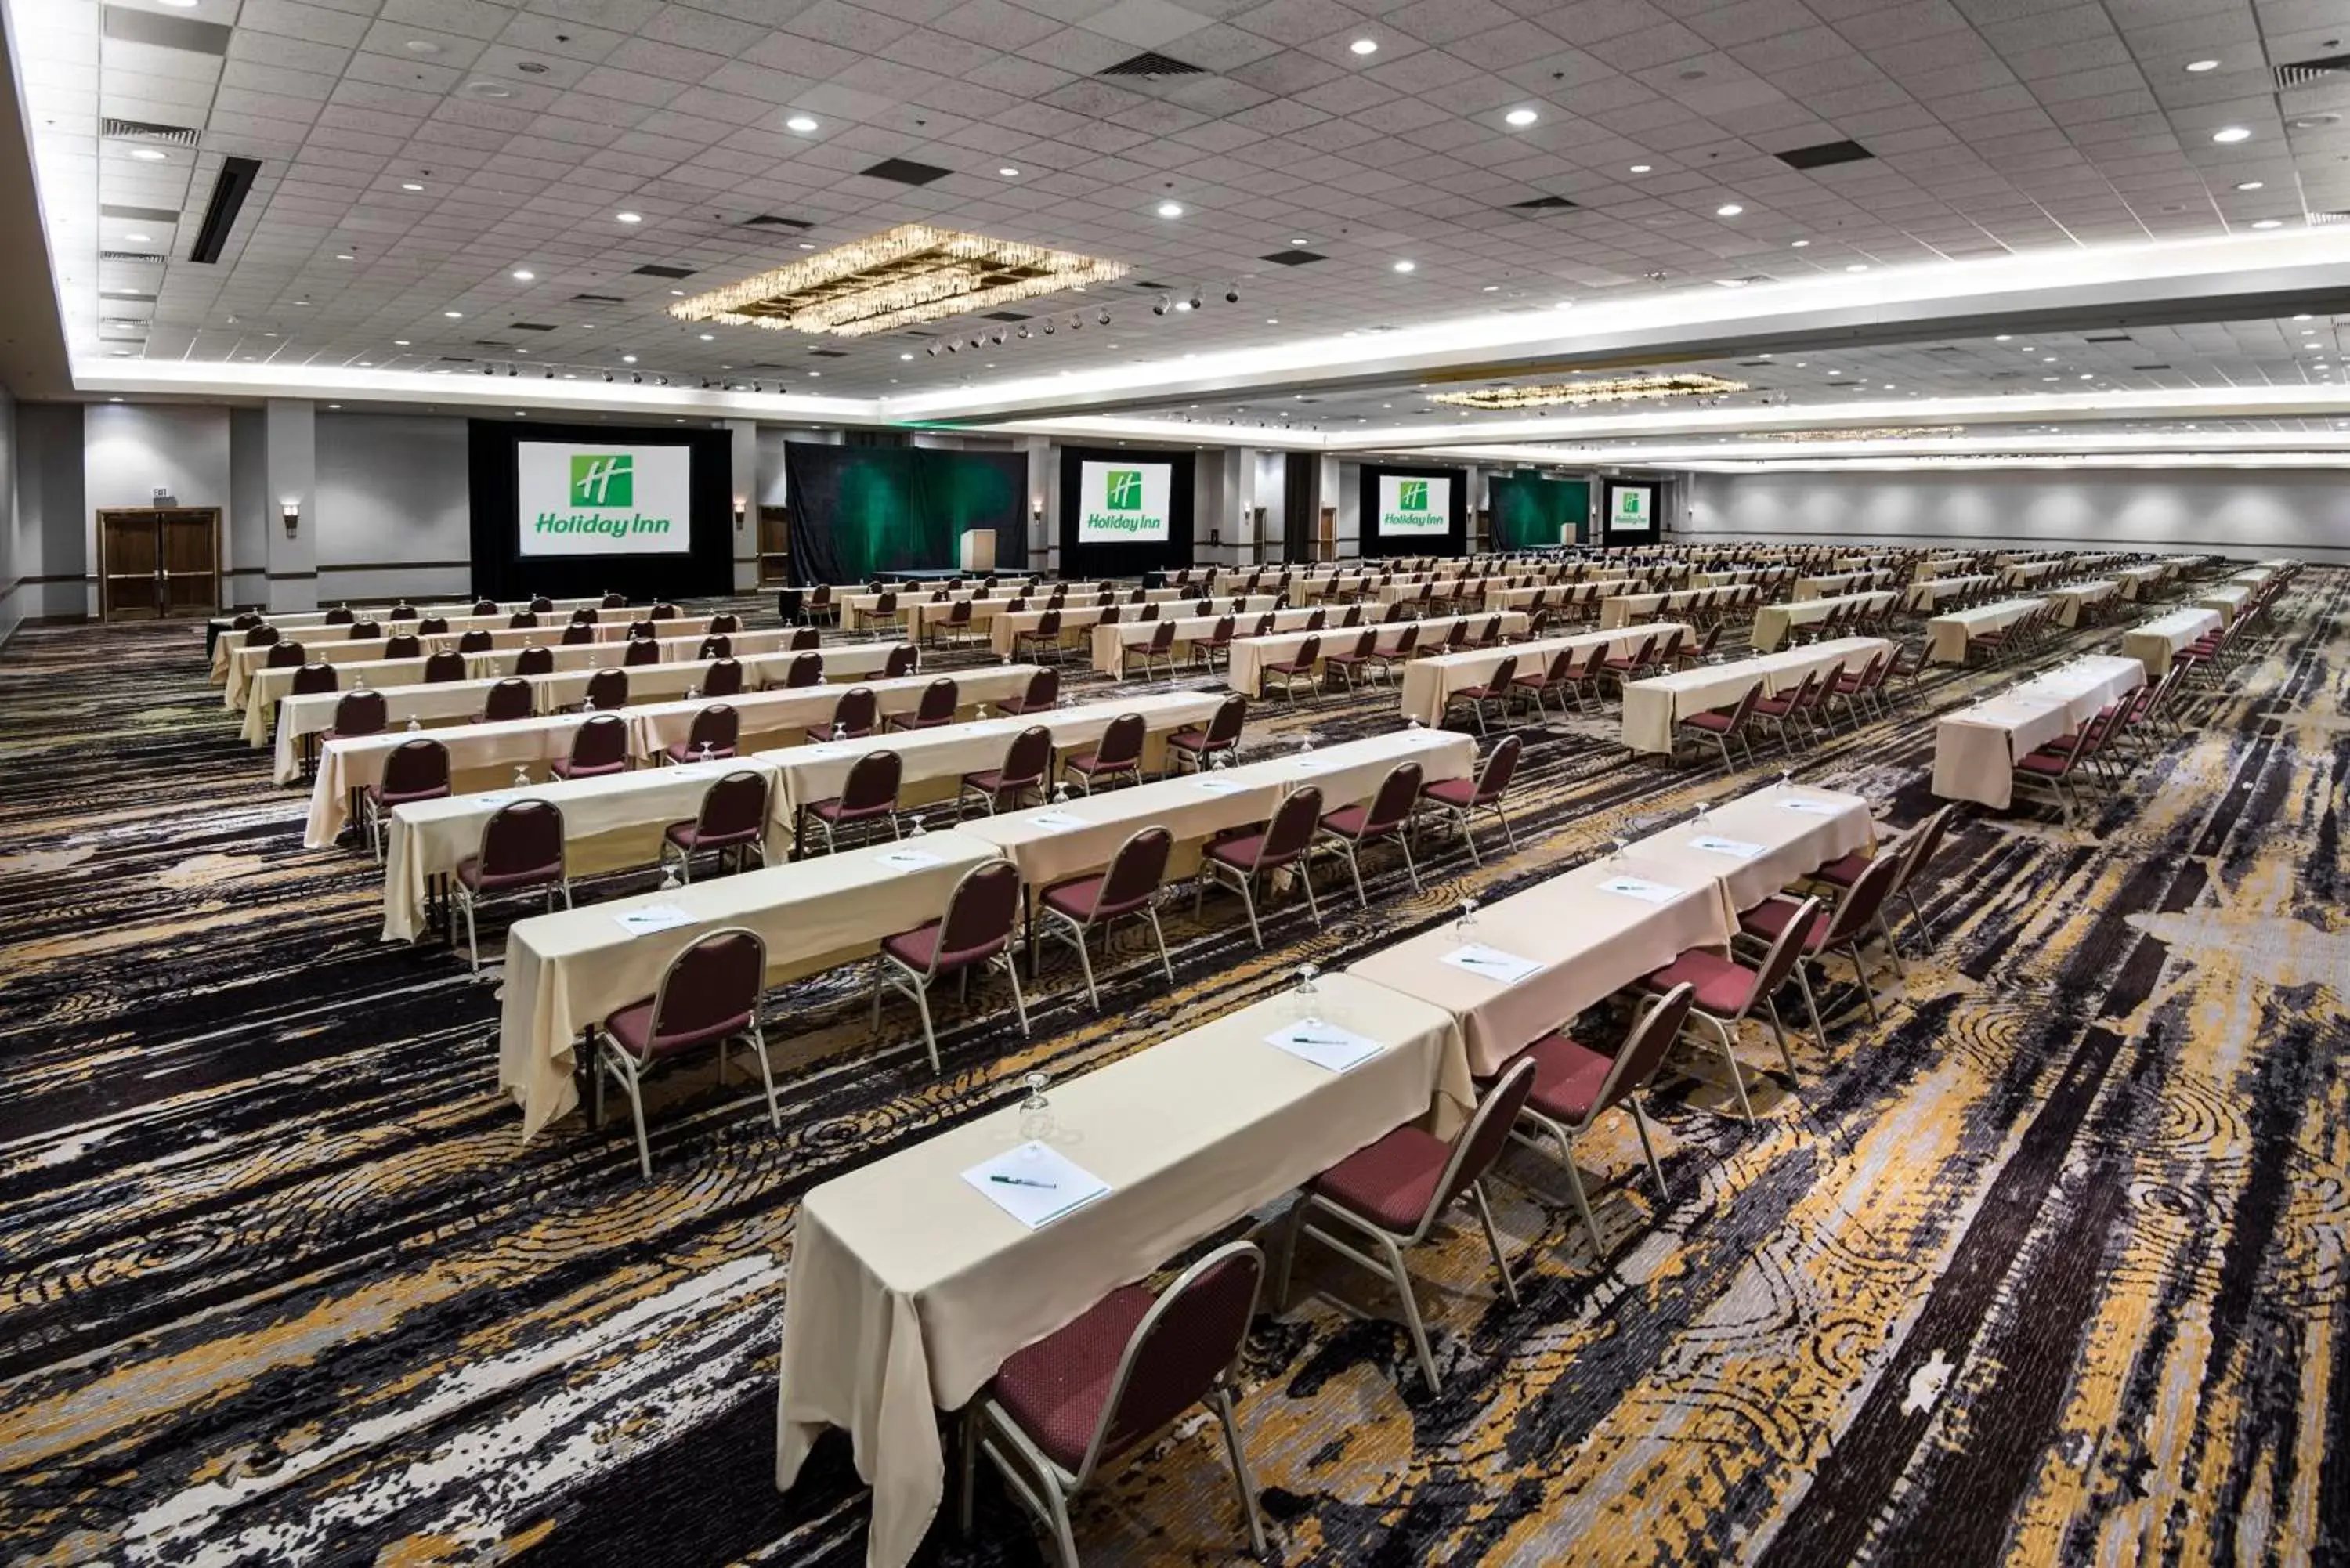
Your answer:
<point x="2074" y="599"/>
<point x="569" y="971"/>
<point x="1555" y="596"/>
<point x="1654" y="707"/>
<point x="1977" y="747"/>
<point x="2228" y="598"/>
<point x="242" y="663"/>
<point x="2154" y="643"/>
<point x="910" y="1287"/>
<point x="483" y="756"/>
<point x="1601" y="927"/>
<point x="609" y="823"/>
<point x="434" y="703"/>
<point x="1841" y="585"/>
<point x="1111" y="642"/>
<point x="2143" y="582"/>
<point x="1927" y="594"/>
<point x="1072" y="837"/>
<point x="932" y="762"/>
<point x="1623" y="610"/>
<point x="1773" y="623"/>
<point x="2019" y="574"/>
<point x="459" y="614"/>
<point x="1947" y="635"/>
<point x="1428" y="684"/>
<point x="1246" y="658"/>
<point x="1004" y="630"/>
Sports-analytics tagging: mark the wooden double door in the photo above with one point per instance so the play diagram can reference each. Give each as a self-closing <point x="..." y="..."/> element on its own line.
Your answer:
<point x="157" y="562"/>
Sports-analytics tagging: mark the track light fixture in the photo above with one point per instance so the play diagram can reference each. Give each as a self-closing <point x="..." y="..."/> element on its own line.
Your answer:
<point x="1232" y="293"/>
<point x="1077" y="320"/>
<point x="608" y="378"/>
<point x="1161" y="306"/>
<point x="1025" y="333"/>
<point x="1104" y="317"/>
<point x="1048" y="327"/>
<point x="1195" y="299"/>
<point x="931" y="349"/>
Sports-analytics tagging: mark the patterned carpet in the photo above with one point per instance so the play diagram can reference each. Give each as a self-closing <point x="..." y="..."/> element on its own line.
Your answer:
<point x="2046" y="1266"/>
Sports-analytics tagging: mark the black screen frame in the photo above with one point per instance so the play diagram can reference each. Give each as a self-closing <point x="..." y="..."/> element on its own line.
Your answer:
<point x="1134" y="560"/>
<point x="1371" y="546"/>
<point x="1655" y="532"/>
<point x="499" y="571"/>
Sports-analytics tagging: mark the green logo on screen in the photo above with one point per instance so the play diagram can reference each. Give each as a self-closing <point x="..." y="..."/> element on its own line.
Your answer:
<point x="1411" y="495"/>
<point x="1629" y="502"/>
<point x="1122" y="490"/>
<point x="603" y="479"/>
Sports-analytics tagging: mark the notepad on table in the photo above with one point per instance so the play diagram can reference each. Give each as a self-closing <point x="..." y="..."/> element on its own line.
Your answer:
<point x="1812" y="807"/>
<point x="1492" y="963"/>
<point x="1035" y="1184"/>
<point x="1057" y="819"/>
<point x="1642" y="888"/>
<point x="652" y="917"/>
<point x="1717" y="845"/>
<point x="1218" y="786"/>
<point x="911" y="859"/>
<point x="1324" y="1044"/>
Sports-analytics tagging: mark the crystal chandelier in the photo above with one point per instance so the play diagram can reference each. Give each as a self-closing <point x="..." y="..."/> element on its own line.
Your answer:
<point x="912" y="273"/>
<point x="1619" y="389"/>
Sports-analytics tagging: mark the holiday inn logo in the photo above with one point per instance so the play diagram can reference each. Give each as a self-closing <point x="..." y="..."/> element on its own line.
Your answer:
<point x="1122" y="490"/>
<point x="1411" y="495"/>
<point x="1628" y="502"/>
<point x="603" y="479"/>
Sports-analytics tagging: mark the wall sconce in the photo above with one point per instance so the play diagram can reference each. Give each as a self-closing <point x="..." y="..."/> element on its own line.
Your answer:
<point x="293" y="513"/>
<point x="741" y="506"/>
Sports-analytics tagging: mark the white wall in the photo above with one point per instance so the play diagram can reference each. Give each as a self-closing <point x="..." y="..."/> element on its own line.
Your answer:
<point x="394" y="507"/>
<point x="130" y="450"/>
<point x="2248" y="512"/>
<point x="51" y="542"/>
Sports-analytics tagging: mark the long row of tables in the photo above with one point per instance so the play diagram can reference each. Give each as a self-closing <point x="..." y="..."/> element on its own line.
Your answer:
<point x="910" y="1288"/>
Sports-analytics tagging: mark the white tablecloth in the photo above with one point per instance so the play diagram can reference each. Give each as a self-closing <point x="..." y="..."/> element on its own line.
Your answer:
<point x="1250" y="655"/>
<point x="1946" y="634"/>
<point x="1772" y="622"/>
<point x="1654" y="706"/>
<point x="1428" y="683"/>
<point x="2153" y="643"/>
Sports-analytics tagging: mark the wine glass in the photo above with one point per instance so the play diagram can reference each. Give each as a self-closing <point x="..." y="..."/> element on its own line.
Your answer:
<point x="839" y="730"/>
<point x="413" y="725"/>
<point x="705" y="753"/>
<point x="1617" y="848"/>
<point x="1036" y="1110"/>
<point x="522" y="777"/>
<point x="1702" y="807"/>
<point x="1466" y="923"/>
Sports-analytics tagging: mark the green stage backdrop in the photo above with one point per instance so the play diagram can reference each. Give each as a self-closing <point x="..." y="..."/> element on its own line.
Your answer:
<point x="1530" y="511"/>
<point x="858" y="510"/>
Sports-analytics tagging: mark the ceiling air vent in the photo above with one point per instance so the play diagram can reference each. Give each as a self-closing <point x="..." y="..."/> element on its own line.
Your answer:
<point x="653" y="269"/>
<point x="1543" y="204"/>
<point x="229" y="191"/>
<point x="1151" y="64"/>
<point x="2301" y="73"/>
<point x="1291" y="258"/>
<point x="132" y="256"/>
<point x="2109" y="337"/>
<point x="147" y="131"/>
<point x="1823" y="154"/>
<point x="905" y="172"/>
<point x="530" y="327"/>
<point x="2329" y="217"/>
<point x="601" y="298"/>
<point x="830" y="353"/>
<point x="769" y="220"/>
<point x="1004" y="316"/>
<point x="2149" y="366"/>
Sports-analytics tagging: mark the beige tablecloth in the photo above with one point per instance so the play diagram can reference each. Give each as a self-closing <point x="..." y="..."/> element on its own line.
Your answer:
<point x="480" y="756"/>
<point x="608" y="824"/>
<point x="1946" y="634"/>
<point x="243" y="662"/>
<point x="2069" y="601"/>
<point x="2153" y="643"/>
<point x="1623" y="610"/>
<point x="2023" y="574"/>
<point x="2141" y="582"/>
<point x="781" y="718"/>
<point x="1076" y="624"/>
<point x="2227" y="599"/>
<point x="1976" y="748"/>
<point x="1428" y="683"/>
<point x="1192" y="808"/>
<point x="1772" y="622"/>
<point x="1111" y="642"/>
<point x="266" y="690"/>
<point x="933" y="761"/>
<point x="908" y="1289"/>
<point x="1925" y="596"/>
<point x="1250" y="655"/>
<point x="307" y="627"/>
<point x="1796" y="842"/>
<point x="565" y="971"/>
<point x="1652" y="707"/>
<point x="1842" y="585"/>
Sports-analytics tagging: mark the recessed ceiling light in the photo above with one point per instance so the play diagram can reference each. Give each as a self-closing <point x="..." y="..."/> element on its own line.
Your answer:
<point x="410" y="185"/>
<point x="1170" y="209"/>
<point x="1642" y="168"/>
<point x="905" y="355"/>
<point x="1009" y="172"/>
<point x="1406" y="266"/>
<point x="422" y="46"/>
<point x="2268" y="223"/>
<point x="338" y="405"/>
<point x="523" y="275"/>
<point x="1856" y="266"/>
<point x="400" y="342"/>
<point x="1522" y="117"/>
<point x="139" y="239"/>
<point x="2228" y="135"/>
<point x="344" y="255"/>
<point x="1728" y="210"/>
<point x="1272" y="321"/>
<point x="628" y="359"/>
<point x="2252" y="185"/>
<point x="629" y="217"/>
<point x="2202" y="65"/>
<point x="709" y="337"/>
<point x="1365" y="45"/>
<point x="148" y="154"/>
<point x="1562" y="305"/>
<point x="2003" y="337"/>
<point x="1799" y="244"/>
<point x="454" y="315"/>
<point x="800" y="123"/>
<point x="679" y="292"/>
<point x="1730" y="282"/>
<point x="2302" y="316"/>
<point x="176" y="5"/>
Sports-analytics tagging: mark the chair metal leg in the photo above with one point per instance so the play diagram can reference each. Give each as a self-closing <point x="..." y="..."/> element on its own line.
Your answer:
<point x="921" y="993"/>
<point x="1221" y="1401"/>
<point x="1730" y="1058"/>
<point x="1019" y="1003"/>
<point x="1812" y="1005"/>
<point x="1355" y="866"/>
<point x="1640" y="1122"/>
<point x="1412" y="1313"/>
<point x="766" y="1074"/>
<point x="1493" y="1237"/>
<point x="1160" y="938"/>
<point x="1410" y="870"/>
<point x="1779" y="1034"/>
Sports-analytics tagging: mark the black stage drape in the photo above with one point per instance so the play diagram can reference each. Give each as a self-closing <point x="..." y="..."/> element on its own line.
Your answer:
<point x="858" y="510"/>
